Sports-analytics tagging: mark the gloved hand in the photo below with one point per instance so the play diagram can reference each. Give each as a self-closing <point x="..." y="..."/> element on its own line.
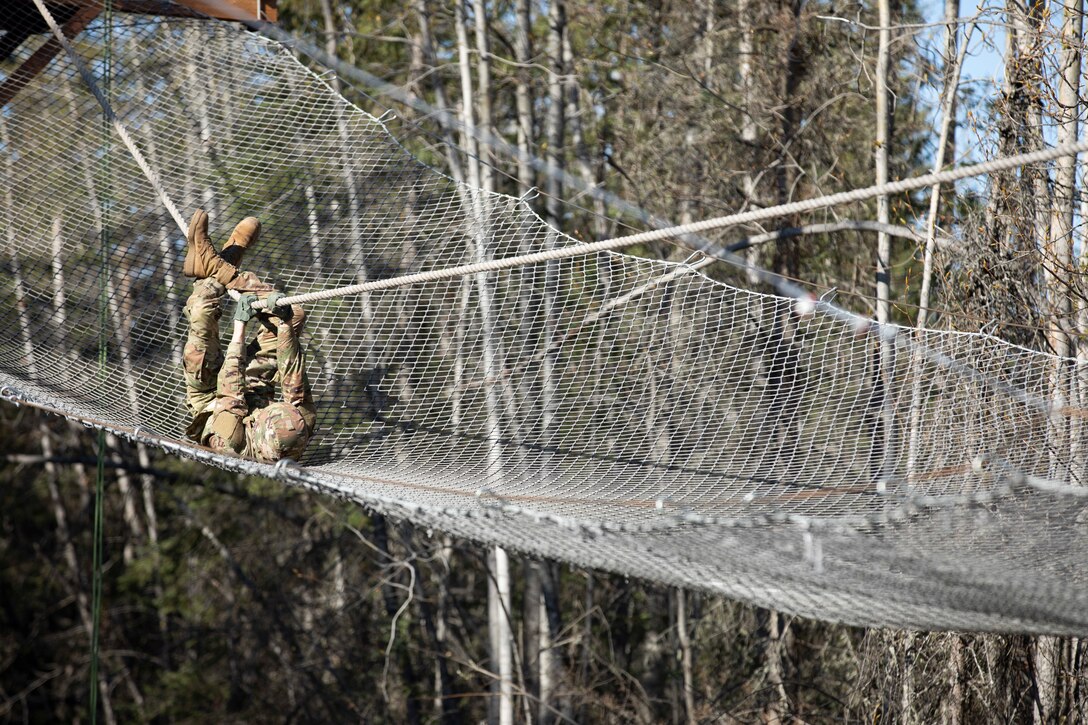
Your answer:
<point x="285" y="312"/>
<point x="244" y="312"/>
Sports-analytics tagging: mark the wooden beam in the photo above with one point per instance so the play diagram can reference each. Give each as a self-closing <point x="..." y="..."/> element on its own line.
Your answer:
<point x="235" y="9"/>
<point x="243" y="10"/>
<point x="36" y="63"/>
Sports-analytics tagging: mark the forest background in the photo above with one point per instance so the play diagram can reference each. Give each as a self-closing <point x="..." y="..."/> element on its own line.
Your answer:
<point x="229" y="598"/>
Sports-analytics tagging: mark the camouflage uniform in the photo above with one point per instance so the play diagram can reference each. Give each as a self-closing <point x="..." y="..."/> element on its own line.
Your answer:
<point x="233" y="404"/>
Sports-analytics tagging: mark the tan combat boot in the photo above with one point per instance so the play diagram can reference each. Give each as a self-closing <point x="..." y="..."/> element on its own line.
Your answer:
<point x="246" y="233"/>
<point x="201" y="259"/>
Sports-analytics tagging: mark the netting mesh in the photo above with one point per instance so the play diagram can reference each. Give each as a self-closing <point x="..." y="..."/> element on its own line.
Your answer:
<point x="607" y="410"/>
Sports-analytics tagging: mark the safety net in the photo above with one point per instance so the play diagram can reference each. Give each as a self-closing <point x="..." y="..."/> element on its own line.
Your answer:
<point x="606" y="410"/>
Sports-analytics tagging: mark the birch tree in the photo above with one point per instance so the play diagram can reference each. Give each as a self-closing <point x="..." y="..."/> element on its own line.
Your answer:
<point x="882" y="435"/>
<point x="748" y="129"/>
<point x="478" y="213"/>
<point x="1050" y="654"/>
<point x="1067" y="115"/>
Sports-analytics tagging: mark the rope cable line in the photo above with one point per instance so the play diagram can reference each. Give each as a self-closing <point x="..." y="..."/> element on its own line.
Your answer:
<point x="755" y="215"/>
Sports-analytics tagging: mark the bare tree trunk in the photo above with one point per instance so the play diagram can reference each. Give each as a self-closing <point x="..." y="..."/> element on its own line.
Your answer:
<point x="998" y="227"/>
<point x="469" y="140"/>
<point x="1057" y="261"/>
<point x="1031" y="38"/>
<point x="748" y="129"/>
<point x="1061" y="224"/>
<point x="531" y="621"/>
<point x="945" y="148"/>
<point x="685" y="656"/>
<point x="953" y="708"/>
<point x="351" y="184"/>
<point x="315" y="229"/>
<point x="552" y="697"/>
<point x="200" y="109"/>
<point x="410" y="680"/>
<point x="906" y="682"/>
<point x="1046" y="650"/>
<point x="554" y="119"/>
<point x="709" y="21"/>
<point x="883" y="431"/>
<point x="498" y="601"/>
<point x="951" y="23"/>
<point x="59" y="317"/>
<point x="660" y="405"/>
<point x="574" y="115"/>
<point x="1080" y="671"/>
<point x="1030" y="24"/>
<point x="554" y="132"/>
<point x="445" y="708"/>
<point x="1082" y="323"/>
<point x="330" y="35"/>
<point x="779" y="705"/>
<point x="532" y="598"/>
<point x="523" y="53"/>
<point x="433" y="622"/>
<point x="120" y="303"/>
<point x="441" y="103"/>
<point x="16" y="267"/>
<point x="478" y="212"/>
<point x="883" y="121"/>
<point x="483" y="94"/>
<point x="946" y="141"/>
<point x="449" y="346"/>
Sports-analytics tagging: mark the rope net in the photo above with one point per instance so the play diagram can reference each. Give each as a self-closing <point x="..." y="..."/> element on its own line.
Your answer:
<point x="606" y="410"/>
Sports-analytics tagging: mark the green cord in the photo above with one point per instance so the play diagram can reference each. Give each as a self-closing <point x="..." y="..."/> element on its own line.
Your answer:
<point x="105" y="197"/>
<point x="96" y="586"/>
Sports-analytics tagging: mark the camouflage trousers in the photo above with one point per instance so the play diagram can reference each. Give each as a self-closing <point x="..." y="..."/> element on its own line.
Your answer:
<point x="232" y="396"/>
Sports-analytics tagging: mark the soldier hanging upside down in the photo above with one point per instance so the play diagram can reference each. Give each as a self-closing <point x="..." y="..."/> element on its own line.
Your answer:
<point x="232" y="398"/>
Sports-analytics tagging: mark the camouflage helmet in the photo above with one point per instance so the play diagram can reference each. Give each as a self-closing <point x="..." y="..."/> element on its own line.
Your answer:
<point x="279" y="431"/>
